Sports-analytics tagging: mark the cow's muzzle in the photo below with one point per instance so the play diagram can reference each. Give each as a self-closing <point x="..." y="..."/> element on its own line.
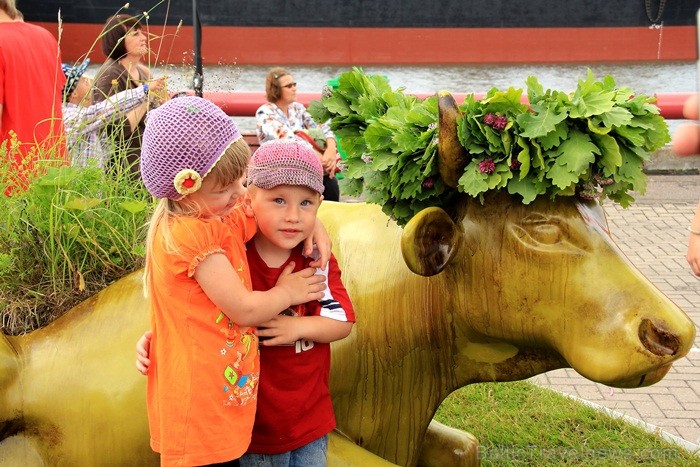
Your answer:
<point x="657" y="339"/>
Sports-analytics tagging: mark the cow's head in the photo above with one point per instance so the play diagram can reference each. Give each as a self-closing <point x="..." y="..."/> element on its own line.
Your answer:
<point x="548" y="275"/>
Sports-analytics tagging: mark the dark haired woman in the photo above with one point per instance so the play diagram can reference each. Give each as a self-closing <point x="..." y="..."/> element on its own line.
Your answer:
<point x="283" y="118"/>
<point x="125" y="44"/>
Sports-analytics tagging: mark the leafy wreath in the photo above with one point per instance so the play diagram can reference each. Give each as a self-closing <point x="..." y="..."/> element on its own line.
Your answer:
<point x="407" y="154"/>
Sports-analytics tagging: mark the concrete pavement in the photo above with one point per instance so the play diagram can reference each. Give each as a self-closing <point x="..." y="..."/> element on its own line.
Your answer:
<point x="653" y="234"/>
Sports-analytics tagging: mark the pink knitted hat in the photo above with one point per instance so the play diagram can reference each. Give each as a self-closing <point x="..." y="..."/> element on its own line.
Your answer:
<point x="184" y="138"/>
<point x="285" y="162"/>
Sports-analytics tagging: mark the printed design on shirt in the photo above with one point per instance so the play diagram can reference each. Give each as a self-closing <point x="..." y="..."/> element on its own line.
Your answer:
<point x="240" y="350"/>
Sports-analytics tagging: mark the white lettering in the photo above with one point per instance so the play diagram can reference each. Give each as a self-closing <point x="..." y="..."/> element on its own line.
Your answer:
<point x="303" y="345"/>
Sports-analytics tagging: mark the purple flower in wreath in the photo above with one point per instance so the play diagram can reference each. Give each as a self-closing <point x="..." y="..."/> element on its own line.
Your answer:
<point x="500" y="123"/>
<point x="487" y="166"/>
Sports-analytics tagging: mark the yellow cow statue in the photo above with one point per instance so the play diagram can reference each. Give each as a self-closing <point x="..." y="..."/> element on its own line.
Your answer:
<point x="500" y="291"/>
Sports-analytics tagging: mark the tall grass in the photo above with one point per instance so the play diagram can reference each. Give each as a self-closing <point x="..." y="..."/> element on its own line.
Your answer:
<point x="72" y="232"/>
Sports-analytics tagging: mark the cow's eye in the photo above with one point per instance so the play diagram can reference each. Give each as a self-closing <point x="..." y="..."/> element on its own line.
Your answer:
<point x="547" y="235"/>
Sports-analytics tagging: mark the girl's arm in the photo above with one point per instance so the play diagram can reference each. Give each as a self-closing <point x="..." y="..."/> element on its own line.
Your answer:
<point x="223" y="286"/>
<point x="320" y="238"/>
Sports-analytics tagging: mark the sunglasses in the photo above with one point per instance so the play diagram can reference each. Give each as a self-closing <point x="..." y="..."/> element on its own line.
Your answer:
<point x="290" y="85"/>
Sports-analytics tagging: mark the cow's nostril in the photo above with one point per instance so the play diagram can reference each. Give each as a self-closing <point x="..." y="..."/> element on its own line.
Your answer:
<point x="658" y="340"/>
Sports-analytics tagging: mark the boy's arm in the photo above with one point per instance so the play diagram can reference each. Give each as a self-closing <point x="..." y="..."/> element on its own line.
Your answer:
<point x="143" y="348"/>
<point x="223" y="286"/>
<point x="283" y="330"/>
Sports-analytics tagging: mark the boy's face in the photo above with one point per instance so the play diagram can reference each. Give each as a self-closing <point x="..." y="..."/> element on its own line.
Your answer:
<point x="286" y="214"/>
<point x="213" y="199"/>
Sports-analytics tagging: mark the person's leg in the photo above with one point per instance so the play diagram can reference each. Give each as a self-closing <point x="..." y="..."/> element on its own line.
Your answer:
<point x="331" y="191"/>
<point x="310" y="455"/>
<point x="265" y="460"/>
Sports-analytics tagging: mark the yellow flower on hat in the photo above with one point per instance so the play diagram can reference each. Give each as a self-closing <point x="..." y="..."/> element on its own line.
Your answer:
<point x="187" y="181"/>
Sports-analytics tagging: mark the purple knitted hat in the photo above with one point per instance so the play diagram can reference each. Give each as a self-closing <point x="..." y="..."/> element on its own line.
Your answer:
<point x="285" y="162"/>
<point x="184" y="138"/>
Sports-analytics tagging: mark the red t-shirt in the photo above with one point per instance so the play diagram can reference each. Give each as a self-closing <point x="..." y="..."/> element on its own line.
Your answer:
<point x="294" y="401"/>
<point x="31" y="83"/>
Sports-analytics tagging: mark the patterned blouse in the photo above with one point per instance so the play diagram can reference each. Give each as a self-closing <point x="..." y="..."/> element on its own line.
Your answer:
<point x="273" y="124"/>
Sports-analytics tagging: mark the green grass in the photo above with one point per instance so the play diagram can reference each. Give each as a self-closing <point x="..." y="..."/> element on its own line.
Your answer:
<point x="70" y="234"/>
<point x="521" y="423"/>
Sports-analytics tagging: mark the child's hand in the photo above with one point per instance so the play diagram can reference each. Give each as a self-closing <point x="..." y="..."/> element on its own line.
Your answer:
<point x="280" y="330"/>
<point x="302" y="286"/>
<point x="143" y="347"/>
<point x="323" y="243"/>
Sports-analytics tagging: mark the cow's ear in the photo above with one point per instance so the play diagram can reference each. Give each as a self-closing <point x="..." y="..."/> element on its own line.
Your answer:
<point x="429" y="242"/>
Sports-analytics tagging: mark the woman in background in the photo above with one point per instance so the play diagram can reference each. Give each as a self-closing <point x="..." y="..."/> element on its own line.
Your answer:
<point x="282" y="117"/>
<point x="125" y="44"/>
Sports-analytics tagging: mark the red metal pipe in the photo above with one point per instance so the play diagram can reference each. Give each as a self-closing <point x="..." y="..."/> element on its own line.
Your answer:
<point x="244" y="103"/>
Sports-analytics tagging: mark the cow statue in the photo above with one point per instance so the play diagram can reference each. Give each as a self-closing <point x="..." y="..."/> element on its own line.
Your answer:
<point x="500" y="291"/>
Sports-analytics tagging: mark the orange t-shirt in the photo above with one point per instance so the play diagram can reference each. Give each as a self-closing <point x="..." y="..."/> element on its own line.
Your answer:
<point x="203" y="378"/>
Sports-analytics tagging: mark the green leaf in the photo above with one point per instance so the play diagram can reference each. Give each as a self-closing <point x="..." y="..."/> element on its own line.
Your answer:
<point x="554" y="138"/>
<point x="133" y="206"/>
<point x="535" y="91"/>
<point x="591" y="98"/>
<point x="543" y="120"/>
<point x="529" y="188"/>
<point x="610" y="158"/>
<point x="382" y="160"/>
<point x="524" y="157"/>
<point x="336" y="104"/>
<point x="616" y="117"/>
<point x="500" y="176"/>
<point x="318" y="111"/>
<point x="473" y="181"/>
<point x="576" y="153"/>
<point x="635" y="136"/>
<point x="378" y="136"/>
<point x="81" y="204"/>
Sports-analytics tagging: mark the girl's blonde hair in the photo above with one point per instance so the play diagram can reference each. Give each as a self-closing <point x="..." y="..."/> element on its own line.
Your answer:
<point x="230" y="167"/>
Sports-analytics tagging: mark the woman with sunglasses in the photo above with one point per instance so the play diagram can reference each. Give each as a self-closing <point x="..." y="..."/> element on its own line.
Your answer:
<point x="282" y="117"/>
